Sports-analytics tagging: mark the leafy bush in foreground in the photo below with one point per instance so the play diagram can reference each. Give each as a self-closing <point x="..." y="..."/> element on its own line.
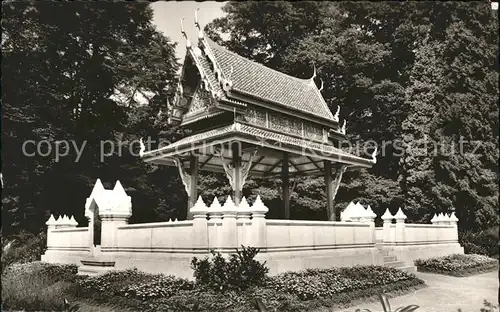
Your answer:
<point x="37" y="286"/>
<point x="320" y="283"/>
<point x="457" y="264"/>
<point x="240" y="272"/>
<point x="40" y="286"/>
<point x="485" y="242"/>
<point x="22" y="248"/>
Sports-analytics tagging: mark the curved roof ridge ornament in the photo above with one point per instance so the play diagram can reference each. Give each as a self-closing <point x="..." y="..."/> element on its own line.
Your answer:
<point x="314" y="73"/>
<point x="336" y="117"/>
<point x="183" y="32"/>
<point x="321" y="88"/>
<point x="342" y="130"/>
<point x="197" y="24"/>
<point x="374" y="155"/>
<point x="143" y="147"/>
<point x="227" y="84"/>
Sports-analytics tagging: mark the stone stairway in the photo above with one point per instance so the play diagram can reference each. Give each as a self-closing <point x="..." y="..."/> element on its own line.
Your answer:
<point x="96" y="264"/>
<point x="391" y="260"/>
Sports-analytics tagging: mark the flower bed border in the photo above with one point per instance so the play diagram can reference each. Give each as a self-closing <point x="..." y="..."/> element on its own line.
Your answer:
<point x="488" y="267"/>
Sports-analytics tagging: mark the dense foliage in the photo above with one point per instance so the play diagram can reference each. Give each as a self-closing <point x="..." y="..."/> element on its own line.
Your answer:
<point x="403" y="72"/>
<point x="457" y="264"/>
<point x="412" y="76"/>
<point x="23" y="247"/>
<point x="137" y="291"/>
<point x="484" y="242"/>
<point x="37" y="286"/>
<point x="240" y="271"/>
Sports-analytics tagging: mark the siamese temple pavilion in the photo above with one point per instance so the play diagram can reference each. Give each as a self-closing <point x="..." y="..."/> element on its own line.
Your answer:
<point x="244" y="119"/>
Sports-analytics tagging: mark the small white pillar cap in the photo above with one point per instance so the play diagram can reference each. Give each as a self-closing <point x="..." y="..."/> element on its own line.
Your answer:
<point x="387" y="216"/>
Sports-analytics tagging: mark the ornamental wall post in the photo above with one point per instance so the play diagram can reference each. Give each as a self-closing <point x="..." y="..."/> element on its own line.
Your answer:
<point x="259" y="231"/>
<point x="387" y="217"/>
<point x="454" y="222"/>
<point x="369" y="217"/>
<point x="215" y="223"/>
<point x="229" y="233"/>
<point x="51" y="225"/>
<point x="200" y="224"/>
<point x="115" y="208"/>
<point x="400" y="226"/>
<point x="244" y="223"/>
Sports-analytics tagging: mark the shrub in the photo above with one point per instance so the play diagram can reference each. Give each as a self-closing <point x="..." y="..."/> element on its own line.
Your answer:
<point x="457" y="264"/>
<point x="36" y="286"/>
<point x="24" y="247"/>
<point x="485" y="242"/>
<point x="322" y="283"/>
<point x="240" y="272"/>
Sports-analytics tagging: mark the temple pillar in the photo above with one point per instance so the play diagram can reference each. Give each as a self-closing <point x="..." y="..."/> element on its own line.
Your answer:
<point x="330" y="210"/>
<point x="332" y="187"/>
<point x="285" y="185"/>
<point x="236" y="164"/>
<point x="193" y="185"/>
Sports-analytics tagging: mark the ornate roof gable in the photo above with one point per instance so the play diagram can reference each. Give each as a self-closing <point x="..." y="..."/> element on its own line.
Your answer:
<point x="236" y="81"/>
<point x="256" y="80"/>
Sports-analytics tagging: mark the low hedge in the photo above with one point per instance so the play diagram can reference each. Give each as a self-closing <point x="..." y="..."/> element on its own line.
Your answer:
<point x="37" y="286"/>
<point x="137" y="291"/>
<point x="297" y="291"/>
<point x="483" y="242"/>
<point x="457" y="264"/>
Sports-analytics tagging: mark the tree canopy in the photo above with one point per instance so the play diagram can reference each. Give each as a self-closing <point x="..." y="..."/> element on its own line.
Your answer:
<point x="410" y="76"/>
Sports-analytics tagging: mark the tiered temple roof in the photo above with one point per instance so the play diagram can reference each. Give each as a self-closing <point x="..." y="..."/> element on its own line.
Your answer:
<point x="223" y="97"/>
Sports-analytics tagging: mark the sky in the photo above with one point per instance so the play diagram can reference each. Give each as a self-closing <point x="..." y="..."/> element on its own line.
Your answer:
<point x="167" y="18"/>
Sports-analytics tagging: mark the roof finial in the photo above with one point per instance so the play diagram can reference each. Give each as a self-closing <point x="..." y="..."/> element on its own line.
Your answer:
<point x="143" y="148"/>
<point x="200" y="32"/>
<point x="321" y="88"/>
<point x="336" y="117"/>
<point x="183" y="32"/>
<point x="314" y="72"/>
<point x="374" y="155"/>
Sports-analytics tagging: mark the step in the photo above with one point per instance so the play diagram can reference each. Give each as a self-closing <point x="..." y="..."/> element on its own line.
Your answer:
<point x="95" y="266"/>
<point x="390" y="259"/>
<point x="408" y="269"/>
<point x="394" y="264"/>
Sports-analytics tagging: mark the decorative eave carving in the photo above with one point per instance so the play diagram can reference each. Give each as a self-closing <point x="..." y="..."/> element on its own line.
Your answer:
<point x="179" y="107"/>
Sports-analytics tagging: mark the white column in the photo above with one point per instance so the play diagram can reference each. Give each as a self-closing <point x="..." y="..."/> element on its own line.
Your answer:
<point x="387" y="217"/>
<point x="454" y="222"/>
<point x="259" y="237"/>
<point x="369" y="217"/>
<point x="400" y="226"/>
<point x="229" y="231"/>
<point x="51" y="225"/>
<point x="200" y="224"/>
<point x="243" y="219"/>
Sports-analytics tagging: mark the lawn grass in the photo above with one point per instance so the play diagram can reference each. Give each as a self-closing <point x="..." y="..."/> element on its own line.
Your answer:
<point x="458" y="265"/>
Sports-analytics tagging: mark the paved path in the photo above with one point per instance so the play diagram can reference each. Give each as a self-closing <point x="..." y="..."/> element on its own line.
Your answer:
<point x="446" y="294"/>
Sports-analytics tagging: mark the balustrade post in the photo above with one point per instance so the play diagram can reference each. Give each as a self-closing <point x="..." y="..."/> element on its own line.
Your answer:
<point x="259" y="237"/>
<point x="200" y="224"/>
<point x="400" y="226"/>
<point x="387" y="217"/>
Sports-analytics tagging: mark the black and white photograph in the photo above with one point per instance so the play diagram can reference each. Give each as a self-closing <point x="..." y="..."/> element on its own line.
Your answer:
<point x="250" y="156"/>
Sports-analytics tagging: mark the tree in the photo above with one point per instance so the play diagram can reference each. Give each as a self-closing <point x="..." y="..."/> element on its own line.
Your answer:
<point x="73" y="73"/>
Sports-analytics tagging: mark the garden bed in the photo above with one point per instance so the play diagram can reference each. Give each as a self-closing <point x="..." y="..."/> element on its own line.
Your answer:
<point x="135" y="290"/>
<point x="457" y="265"/>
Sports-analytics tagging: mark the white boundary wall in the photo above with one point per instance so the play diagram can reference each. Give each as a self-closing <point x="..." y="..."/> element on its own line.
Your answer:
<point x="286" y="245"/>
